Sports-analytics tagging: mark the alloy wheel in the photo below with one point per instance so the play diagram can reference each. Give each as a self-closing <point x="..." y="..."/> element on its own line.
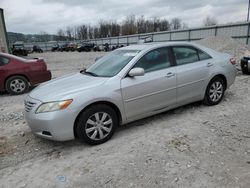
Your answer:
<point x="17" y="85"/>
<point x="216" y="91"/>
<point x="98" y="126"/>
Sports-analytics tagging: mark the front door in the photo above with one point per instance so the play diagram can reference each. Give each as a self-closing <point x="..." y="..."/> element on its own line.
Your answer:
<point x="155" y="90"/>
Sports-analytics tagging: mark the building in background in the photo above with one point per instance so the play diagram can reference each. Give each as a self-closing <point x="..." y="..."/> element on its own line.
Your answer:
<point x="3" y="34"/>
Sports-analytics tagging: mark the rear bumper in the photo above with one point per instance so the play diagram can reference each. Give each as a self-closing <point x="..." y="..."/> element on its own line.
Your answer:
<point x="42" y="76"/>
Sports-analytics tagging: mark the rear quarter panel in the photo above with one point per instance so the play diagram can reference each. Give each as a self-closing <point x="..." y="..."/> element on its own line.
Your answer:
<point x="223" y="67"/>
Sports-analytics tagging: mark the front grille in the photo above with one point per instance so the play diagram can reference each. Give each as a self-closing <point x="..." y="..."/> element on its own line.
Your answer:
<point x="29" y="105"/>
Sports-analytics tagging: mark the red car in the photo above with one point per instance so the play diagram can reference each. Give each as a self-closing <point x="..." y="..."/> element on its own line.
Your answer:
<point x="18" y="74"/>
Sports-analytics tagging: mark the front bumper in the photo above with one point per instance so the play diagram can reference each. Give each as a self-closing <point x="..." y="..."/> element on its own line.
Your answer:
<point x="57" y="125"/>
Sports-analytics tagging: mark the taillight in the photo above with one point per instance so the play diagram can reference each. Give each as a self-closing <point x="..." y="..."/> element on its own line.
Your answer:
<point x="233" y="61"/>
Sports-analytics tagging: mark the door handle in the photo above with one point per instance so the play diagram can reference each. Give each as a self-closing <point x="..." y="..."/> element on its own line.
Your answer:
<point x="170" y="74"/>
<point x="210" y="64"/>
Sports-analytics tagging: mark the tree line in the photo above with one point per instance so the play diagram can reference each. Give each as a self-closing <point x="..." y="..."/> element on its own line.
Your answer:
<point x="131" y="25"/>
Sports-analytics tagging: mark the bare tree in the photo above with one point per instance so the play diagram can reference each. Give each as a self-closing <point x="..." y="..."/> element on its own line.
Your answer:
<point x="141" y="24"/>
<point x="209" y="21"/>
<point x="90" y="32"/>
<point x="104" y="29"/>
<point x="149" y="25"/>
<point x="129" y="25"/>
<point x="82" y="32"/>
<point x="176" y="23"/>
<point x="157" y="24"/>
<point x="61" y="35"/>
<point x="96" y="32"/>
<point x="165" y="25"/>
<point x="69" y="32"/>
<point x="115" y="29"/>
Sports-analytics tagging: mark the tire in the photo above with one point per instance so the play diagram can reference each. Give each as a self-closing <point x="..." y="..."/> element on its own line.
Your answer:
<point x="17" y="85"/>
<point x="92" y="129"/>
<point x="215" y="91"/>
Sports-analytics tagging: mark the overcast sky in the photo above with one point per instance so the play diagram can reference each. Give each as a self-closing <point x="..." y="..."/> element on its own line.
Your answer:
<point x="35" y="16"/>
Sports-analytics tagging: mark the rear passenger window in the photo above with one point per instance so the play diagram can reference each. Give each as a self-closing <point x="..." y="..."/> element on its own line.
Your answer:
<point x="3" y="61"/>
<point x="185" y="55"/>
<point x="203" y="55"/>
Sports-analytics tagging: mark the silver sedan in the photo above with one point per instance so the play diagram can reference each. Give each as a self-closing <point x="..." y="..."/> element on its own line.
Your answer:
<point x="126" y="85"/>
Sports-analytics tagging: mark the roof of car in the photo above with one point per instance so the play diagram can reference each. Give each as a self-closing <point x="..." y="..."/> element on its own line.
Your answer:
<point x="154" y="44"/>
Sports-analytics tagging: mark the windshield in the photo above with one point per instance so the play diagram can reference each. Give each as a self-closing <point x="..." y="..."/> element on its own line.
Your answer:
<point x="112" y="63"/>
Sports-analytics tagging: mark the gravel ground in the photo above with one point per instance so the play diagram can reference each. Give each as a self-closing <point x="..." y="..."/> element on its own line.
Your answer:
<point x="192" y="146"/>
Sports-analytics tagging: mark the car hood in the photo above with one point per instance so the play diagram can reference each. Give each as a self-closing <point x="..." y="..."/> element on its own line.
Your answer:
<point x="63" y="87"/>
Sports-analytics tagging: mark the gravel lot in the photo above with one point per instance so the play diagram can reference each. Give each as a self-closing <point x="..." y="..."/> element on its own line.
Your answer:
<point x="192" y="146"/>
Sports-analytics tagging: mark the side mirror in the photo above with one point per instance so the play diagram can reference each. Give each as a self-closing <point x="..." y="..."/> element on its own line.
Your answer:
<point x="136" y="72"/>
<point x="83" y="70"/>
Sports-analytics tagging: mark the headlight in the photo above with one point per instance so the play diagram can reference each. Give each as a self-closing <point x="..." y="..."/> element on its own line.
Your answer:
<point x="53" y="106"/>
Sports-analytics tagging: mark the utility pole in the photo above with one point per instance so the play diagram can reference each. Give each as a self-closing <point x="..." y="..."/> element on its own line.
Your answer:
<point x="248" y="11"/>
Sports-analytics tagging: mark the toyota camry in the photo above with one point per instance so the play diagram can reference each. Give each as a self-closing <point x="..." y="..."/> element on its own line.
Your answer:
<point x="128" y="84"/>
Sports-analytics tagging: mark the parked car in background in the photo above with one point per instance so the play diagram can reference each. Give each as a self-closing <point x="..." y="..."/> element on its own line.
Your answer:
<point x="63" y="47"/>
<point x="87" y="47"/>
<point x="37" y="49"/>
<point x="96" y="48"/>
<point x="71" y="47"/>
<point x="106" y="47"/>
<point x="18" y="74"/>
<point x="55" y="47"/>
<point x="142" y="80"/>
<point x="245" y="65"/>
<point x="19" y="49"/>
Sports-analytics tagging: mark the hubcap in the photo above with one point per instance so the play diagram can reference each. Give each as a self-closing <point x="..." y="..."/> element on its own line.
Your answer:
<point x="216" y="91"/>
<point x="98" y="126"/>
<point x="17" y="85"/>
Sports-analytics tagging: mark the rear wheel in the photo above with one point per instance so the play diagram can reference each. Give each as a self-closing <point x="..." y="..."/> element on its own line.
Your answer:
<point x="16" y="85"/>
<point x="215" y="91"/>
<point x="96" y="124"/>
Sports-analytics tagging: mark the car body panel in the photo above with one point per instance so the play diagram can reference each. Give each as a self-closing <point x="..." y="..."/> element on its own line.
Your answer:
<point x="134" y="97"/>
<point x="191" y="81"/>
<point x="143" y="94"/>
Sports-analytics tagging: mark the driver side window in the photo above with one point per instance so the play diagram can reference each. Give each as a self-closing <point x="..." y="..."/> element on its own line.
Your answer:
<point x="154" y="60"/>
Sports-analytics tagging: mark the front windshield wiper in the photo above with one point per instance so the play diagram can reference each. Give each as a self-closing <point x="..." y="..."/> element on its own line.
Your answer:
<point x="90" y="73"/>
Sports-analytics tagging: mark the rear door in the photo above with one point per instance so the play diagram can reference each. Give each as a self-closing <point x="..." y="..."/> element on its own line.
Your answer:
<point x="155" y="90"/>
<point x="192" y="68"/>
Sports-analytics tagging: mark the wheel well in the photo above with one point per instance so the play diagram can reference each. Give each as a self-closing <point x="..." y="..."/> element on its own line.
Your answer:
<point x="222" y="77"/>
<point x="112" y="105"/>
<point x="15" y="75"/>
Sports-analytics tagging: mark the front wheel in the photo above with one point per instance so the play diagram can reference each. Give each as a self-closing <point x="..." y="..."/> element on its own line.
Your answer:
<point x="96" y="124"/>
<point x="215" y="91"/>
